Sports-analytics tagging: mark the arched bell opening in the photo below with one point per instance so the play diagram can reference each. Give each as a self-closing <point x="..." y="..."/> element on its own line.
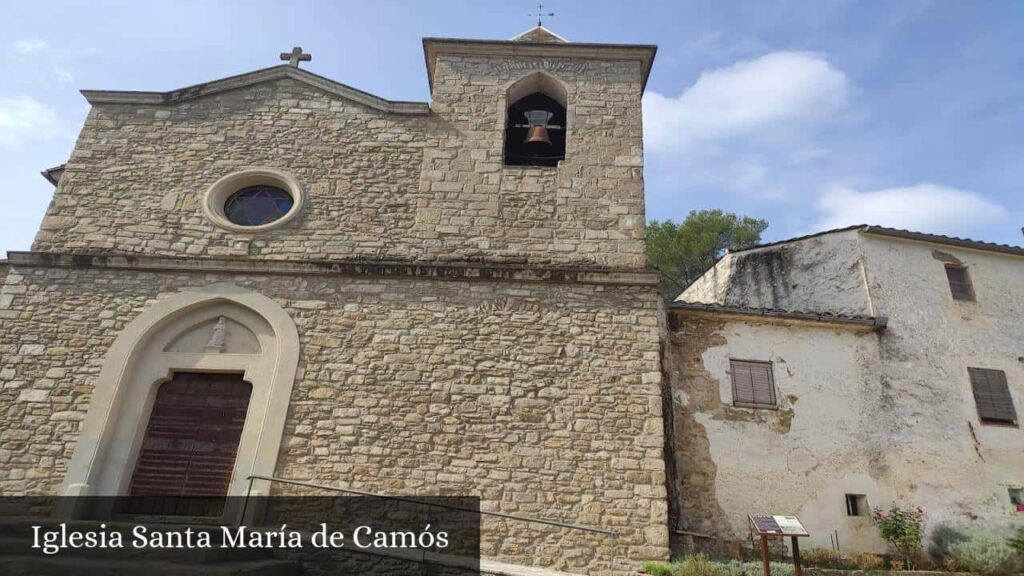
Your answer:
<point x="535" y="124"/>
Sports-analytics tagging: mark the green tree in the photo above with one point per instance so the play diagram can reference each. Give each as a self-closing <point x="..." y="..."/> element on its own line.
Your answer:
<point x="684" y="251"/>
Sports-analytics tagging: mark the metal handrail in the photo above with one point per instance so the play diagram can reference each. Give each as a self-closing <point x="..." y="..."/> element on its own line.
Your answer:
<point x="528" y="519"/>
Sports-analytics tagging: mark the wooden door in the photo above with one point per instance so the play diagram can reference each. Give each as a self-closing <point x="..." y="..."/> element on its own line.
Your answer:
<point x="188" y="454"/>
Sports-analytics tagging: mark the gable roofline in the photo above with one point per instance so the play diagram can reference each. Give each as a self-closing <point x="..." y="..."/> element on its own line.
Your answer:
<point x="900" y="233"/>
<point x="434" y="47"/>
<point x="540" y="28"/>
<point x="249" y="79"/>
<point x="942" y="239"/>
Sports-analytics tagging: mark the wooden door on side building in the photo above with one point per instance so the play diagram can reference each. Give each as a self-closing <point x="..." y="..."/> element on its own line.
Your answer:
<point x="188" y="454"/>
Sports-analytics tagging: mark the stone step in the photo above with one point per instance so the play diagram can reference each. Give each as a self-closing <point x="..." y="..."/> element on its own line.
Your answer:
<point x="78" y="566"/>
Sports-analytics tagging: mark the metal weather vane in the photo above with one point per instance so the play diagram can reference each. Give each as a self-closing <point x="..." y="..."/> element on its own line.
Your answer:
<point x="540" y="14"/>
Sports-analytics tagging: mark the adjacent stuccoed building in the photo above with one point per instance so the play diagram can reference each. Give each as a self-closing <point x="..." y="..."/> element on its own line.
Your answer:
<point x="856" y="368"/>
<point x="404" y="308"/>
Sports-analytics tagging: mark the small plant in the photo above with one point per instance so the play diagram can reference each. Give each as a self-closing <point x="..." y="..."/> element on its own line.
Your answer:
<point x="659" y="569"/>
<point x="984" y="554"/>
<point x="902" y="529"/>
<point x="866" y="562"/>
<point x="821" y="558"/>
<point x="737" y="568"/>
<point x="697" y="565"/>
<point x="943" y="537"/>
<point x="1017" y="543"/>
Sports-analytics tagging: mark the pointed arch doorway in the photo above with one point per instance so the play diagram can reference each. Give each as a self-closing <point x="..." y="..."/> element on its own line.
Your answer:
<point x="191" y="355"/>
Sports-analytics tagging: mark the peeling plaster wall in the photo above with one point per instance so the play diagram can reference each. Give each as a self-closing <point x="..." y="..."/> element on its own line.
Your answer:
<point x="800" y="459"/>
<point x="953" y="465"/>
<point x="822" y="273"/>
<point x="891" y="416"/>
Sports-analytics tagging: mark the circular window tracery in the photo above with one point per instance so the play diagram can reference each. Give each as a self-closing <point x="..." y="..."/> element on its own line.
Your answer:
<point x="253" y="200"/>
<point x="257" y="205"/>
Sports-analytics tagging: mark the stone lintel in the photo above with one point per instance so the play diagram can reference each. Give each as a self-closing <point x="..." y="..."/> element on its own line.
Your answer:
<point x="384" y="269"/>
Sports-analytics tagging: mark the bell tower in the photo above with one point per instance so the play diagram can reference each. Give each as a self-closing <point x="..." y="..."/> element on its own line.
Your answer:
<point x="549" y="132"/>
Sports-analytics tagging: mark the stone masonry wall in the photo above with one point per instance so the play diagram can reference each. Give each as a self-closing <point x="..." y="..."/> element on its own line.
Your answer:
<point x="543" y="398"/>
<point x="594" y="197"/>
<point x="379" y="185"/>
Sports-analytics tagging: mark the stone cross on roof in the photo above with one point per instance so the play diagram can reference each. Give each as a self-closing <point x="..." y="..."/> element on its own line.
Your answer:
<point x="296" y="56"/>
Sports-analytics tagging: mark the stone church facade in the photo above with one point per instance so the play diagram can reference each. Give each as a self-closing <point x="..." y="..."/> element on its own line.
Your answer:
<point x="432" y="313"/>
<point x="425" y="319"/>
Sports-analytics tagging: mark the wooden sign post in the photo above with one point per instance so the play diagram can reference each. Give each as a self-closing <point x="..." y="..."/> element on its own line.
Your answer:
<point x="781" y="526"/>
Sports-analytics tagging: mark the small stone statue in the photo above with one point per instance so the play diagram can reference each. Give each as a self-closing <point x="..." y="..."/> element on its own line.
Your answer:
<point x="217" y="338"/>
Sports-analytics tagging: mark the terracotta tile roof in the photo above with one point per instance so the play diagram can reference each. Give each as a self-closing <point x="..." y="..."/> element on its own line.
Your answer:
<point x="878" y="322"/>
<point x="901" y="233"/>
<point x="941" y="239"/>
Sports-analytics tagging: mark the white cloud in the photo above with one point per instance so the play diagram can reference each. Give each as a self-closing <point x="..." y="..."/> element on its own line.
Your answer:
<point x="808" y="155"/>
<point x="34" y="59"/>
<point x="23" y="119"/>
<point x="29" y="46"/>
<point x="923" y="207"/>
<point x="774" y="95"/>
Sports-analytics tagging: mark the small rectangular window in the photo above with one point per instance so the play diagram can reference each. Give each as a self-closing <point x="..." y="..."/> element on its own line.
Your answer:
<point x="1017" y="498"/>
<point x="959" y="282"/>
<point x="753" y="385"/>
<point x="992" y="396"/>
<point x="856" y="505"/>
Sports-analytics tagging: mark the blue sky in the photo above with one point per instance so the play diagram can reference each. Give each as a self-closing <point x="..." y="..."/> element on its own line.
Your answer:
<point x="810" y="114"/>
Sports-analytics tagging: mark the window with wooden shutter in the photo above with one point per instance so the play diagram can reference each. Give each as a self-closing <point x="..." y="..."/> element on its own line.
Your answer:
<point x="753" y="385"/>
<point x="992" y="396"/>
<point x="959" y="282"/>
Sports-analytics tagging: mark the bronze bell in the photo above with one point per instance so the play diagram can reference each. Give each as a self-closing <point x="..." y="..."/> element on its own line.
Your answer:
<point x="538" y="132"/>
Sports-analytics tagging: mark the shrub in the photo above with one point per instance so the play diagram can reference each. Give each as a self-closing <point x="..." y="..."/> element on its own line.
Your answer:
<point x="821" y="558"/>
<point x="866" y="562"/>
<point x="1017" y="543"/>
<point x="697" y="565"/>
<point x="985" y="554"/>
<point x="737" y="568"/>
<point x="902" y="529"/>
<point x="943" y="537"/>
<point x="658" y="569"/>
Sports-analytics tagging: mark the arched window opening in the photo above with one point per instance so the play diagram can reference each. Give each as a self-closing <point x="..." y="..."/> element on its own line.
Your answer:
<point x="535" y="131"/>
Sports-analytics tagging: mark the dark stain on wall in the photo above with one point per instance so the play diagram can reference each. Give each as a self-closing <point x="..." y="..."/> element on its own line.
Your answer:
<point x="761" y="276"/>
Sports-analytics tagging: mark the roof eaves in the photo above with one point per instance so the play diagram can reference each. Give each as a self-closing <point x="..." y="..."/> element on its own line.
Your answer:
<point x="53" y="175"/>
<point x="942" y="239"/>
<point x="898" y="233"/>
<point x="876" y="323"/>
<point x="645" y="53"/>
<point x="797" y="238"/>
